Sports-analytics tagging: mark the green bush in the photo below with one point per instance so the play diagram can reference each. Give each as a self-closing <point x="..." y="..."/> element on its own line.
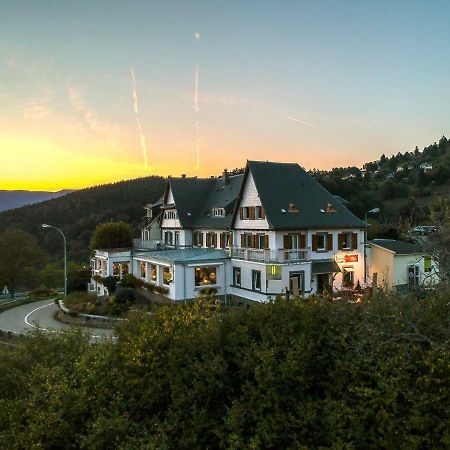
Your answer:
<point x="283" y="375"/>
<point x="124" y="295"/>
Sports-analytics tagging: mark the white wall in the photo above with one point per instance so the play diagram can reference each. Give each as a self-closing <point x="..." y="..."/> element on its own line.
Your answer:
<point x="250" y="197"/>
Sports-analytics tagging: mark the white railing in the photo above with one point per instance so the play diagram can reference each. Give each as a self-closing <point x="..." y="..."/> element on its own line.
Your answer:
<point x="267" y="256"/>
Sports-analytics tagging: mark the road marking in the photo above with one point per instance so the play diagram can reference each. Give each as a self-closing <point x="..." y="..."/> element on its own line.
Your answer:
<point x="34" y="310"/>
<point x="45" y="329"/>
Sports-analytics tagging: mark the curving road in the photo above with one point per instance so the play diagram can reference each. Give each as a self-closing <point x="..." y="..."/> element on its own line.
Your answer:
<point x="24" y="318"/>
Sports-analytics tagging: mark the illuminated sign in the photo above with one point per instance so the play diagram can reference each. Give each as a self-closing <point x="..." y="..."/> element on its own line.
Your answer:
<point x="273" y="272"/>
<point x="340" y="259"/>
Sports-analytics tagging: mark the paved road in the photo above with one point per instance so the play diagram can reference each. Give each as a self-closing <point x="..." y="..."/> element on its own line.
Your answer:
<point x="39" y="315"/>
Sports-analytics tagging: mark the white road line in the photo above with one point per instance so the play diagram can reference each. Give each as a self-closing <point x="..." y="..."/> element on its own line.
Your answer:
<point x="34" y="310"/>
<point x="45" y="329"/>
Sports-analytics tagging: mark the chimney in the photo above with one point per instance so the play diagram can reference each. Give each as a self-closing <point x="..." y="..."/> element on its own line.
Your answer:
<point x="226" y="177"/>
<point x="183" y="175"/>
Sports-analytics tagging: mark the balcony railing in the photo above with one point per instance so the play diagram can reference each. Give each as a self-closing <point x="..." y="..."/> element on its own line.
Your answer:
<point x="269" y="256"/>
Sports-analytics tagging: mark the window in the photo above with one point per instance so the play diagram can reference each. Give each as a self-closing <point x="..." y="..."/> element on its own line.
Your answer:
<point x="170" y="215"/>
<point x="153" y="273"/>
<point x="348" y="277"/>
<point x="321" y="241"/>
<point x="247" y="240"/>
<point x="168" y="237"/>
<point x="218" y="212"/>
<point x="198" y="238"/>
<point x="177" y="238"/>
<point x="211" y="239"/>
<point x="245" y="213"/>
<point x="225" y="240"/>
<point x="237" y="276"/>
<point x="167" y="275"/>
<point x="205" y="275"/>
<point x="413" y="276"/>
<point x="256" y="280"/>
<point x="120" y="269"/>
<point x="116" y="270"/>
<point x="262" y="241"/>
<point x="143" y="269"/>
<point x="347" y="241"/>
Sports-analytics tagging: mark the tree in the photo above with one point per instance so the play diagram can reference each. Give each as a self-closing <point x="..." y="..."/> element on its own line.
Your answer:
<point x="112" y="235"/>
<point x="20" y="259"/>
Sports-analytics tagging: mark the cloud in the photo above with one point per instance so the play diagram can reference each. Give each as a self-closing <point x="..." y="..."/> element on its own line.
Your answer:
<point x="302" y="122"/>
<point x="197" y="36"/>
<point x="36" y="109"/>
<point x="95" y="124"/>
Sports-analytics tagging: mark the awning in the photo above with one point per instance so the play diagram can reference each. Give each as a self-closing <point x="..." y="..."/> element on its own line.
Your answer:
<point x="327" y="266"/>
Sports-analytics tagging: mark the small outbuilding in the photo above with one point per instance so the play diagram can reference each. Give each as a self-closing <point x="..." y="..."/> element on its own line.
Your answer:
<point x="401" y="265"/>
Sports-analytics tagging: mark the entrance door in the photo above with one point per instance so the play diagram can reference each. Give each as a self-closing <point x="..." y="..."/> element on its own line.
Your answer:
<point x="297" y="282"/>
<point x="323" y="283"/>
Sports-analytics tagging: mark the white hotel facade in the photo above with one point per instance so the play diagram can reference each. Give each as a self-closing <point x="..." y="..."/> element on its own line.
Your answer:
<point x="250" y="236"/>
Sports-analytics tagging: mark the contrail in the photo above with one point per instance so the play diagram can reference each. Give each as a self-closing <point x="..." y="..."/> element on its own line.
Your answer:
<point x="303" y="122"/>
<point x="138" y="120"/>
<point x="197" y="108"/>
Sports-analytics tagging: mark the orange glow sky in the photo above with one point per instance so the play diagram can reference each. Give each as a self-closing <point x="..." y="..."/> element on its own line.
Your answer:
<point x="270" y="87"/>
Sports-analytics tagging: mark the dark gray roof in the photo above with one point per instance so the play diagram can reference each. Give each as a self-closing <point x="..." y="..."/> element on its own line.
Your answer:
<point x="195" y="199"/>
<point x="398" y="247"/>
<point x="220" y="196"/>
<point x="189" y="196"/>
<point x="281" y="184"/>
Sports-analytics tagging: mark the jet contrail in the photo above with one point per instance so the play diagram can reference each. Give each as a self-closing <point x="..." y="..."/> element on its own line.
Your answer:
<point x="138" y="120"/>
<point x="303" y="122"/>
<point x="197" y="108"/>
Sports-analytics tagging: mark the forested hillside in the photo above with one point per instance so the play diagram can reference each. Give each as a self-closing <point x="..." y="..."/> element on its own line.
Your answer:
<point x="403" y="186"/>
<point x="78" y="213"/>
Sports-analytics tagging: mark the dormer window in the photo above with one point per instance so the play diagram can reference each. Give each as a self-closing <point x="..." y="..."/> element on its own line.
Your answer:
<point x="218" y="212"/>
<point x="170" y="214"/>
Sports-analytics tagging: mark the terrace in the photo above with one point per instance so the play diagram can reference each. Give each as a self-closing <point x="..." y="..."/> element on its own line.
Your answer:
<point x="269" y="256"/>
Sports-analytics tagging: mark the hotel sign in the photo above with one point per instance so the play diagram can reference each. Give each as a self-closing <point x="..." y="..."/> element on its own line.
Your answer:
<point x="346" y="258"/>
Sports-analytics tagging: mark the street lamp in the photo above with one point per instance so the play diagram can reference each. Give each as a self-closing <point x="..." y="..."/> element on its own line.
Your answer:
<point x="372" y="211"/>
<point x="44" y="225"/>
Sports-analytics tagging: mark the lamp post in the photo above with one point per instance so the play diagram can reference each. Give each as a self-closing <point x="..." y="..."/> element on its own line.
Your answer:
<point x="44" y="225"/>
<point x="372" y="211"/>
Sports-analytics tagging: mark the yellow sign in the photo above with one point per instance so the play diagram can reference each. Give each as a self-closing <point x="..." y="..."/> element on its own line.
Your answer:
<point x="273" y="272"/>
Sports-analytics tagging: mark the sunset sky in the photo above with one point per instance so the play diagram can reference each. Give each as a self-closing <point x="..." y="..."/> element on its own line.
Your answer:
<point x="321" y="83"/>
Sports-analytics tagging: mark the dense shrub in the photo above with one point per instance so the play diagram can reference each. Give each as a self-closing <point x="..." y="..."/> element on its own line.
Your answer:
<point x="283" y="375"/>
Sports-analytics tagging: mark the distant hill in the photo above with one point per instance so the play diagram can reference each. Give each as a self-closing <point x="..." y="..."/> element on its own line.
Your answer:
<point x="16" y="199"/>
<point x="79" y="212"/>
<point x="403" y="186"/>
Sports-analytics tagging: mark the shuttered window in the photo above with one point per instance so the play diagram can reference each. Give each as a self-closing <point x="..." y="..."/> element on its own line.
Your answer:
<point x="294" y="241"/>
<point x="347" y="241"/>
<point x="322" y="242"/>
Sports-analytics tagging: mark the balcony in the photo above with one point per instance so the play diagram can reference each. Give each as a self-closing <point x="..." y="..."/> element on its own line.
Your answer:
<point x="269" y="256"/>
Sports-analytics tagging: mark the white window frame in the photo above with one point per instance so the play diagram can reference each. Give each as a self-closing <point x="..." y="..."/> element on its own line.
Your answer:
<point x="324" y="237"/>
<point x="235" y="270"/>
<point x="255" y="275"/>
<point x="218" y="212"/>
<point x="347" y="240"/>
